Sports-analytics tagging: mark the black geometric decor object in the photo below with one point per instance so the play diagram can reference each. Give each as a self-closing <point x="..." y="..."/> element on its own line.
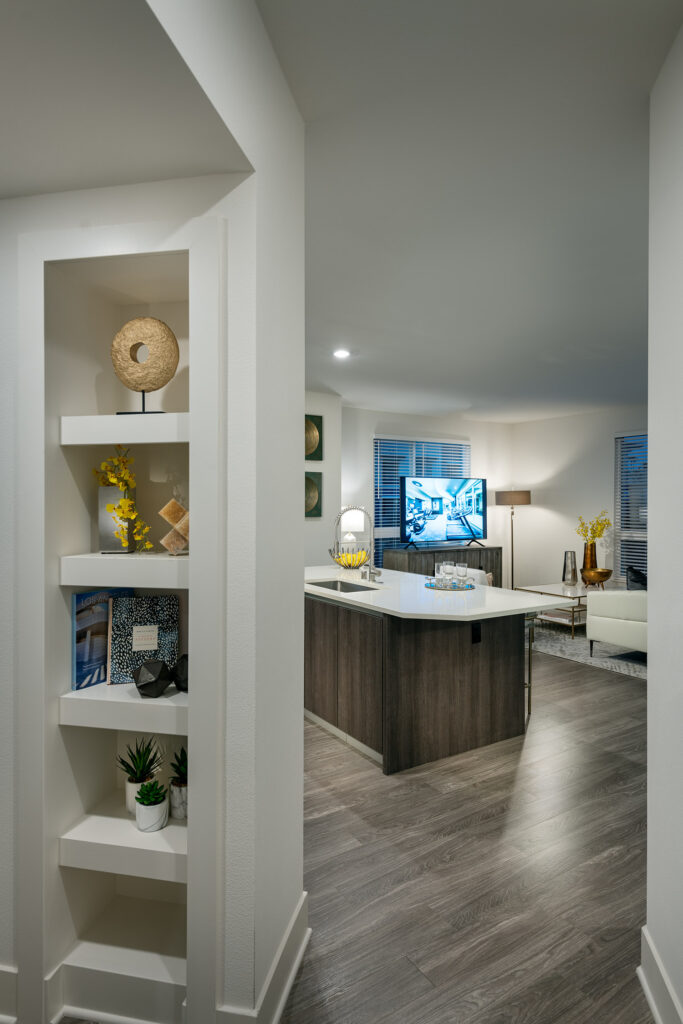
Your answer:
<point x="179" y="673"/>
<point x="152" y="678"/>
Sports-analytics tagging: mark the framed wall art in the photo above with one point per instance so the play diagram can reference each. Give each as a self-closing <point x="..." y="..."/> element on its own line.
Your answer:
<point x="314" y="495"/>
<point x="314" y="438"/>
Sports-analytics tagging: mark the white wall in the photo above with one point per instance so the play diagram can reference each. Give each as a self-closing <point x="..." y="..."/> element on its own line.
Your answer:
<point x="318" y="533"/>
<point x="568" y="465"/>
<point x="662" y="957"/>
<point x="102" y="206"/>
<point x="491" y="453"/>
<point x="227" y="49"/>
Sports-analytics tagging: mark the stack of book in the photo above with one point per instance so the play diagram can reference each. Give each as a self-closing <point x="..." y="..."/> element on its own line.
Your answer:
<point x="114" y="632"/>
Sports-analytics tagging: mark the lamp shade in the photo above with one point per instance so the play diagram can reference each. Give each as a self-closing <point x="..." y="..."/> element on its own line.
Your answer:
<point x="513" y="497"/>
<point x="353" y="521"/>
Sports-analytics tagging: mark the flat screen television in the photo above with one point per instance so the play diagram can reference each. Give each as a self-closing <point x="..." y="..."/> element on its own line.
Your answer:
<point x="435" y="509"/>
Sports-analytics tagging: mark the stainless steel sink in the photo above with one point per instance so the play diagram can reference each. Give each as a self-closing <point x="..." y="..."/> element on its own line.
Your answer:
<point x="341" y="586"/>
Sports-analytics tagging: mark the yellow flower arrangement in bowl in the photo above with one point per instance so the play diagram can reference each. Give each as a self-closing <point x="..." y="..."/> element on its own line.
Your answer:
<point x="591" y="532"/>
<point x="117" y="472"/>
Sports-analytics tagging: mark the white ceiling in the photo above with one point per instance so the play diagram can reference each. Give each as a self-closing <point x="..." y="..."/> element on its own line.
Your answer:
<point x="93" y="93"/>
<point x="476" y="198"/>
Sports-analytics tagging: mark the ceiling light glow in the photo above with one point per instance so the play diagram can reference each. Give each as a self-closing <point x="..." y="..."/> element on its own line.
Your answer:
<point x="341" y="353"/>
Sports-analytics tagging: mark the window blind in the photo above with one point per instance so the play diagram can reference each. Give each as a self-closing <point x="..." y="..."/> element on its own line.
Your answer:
<point x="397" y="457"/>
<point x="630" y="504"/>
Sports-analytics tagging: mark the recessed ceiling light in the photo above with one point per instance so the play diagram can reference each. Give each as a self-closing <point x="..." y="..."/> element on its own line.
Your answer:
<point x="341" y="353"/>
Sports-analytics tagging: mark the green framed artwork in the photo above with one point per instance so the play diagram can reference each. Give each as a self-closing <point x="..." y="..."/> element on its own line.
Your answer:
<point x="314" y="495"/>
<point x="314" y="438"/>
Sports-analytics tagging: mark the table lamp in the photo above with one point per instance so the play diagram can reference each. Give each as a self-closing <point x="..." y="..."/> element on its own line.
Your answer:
<point x="513" y="498"/>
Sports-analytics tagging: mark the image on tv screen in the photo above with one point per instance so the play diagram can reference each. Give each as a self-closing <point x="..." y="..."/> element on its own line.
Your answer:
<point x="436" y="509"/>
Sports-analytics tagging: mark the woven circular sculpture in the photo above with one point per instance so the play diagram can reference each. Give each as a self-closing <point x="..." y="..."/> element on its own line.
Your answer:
<point x="161" y="363"/>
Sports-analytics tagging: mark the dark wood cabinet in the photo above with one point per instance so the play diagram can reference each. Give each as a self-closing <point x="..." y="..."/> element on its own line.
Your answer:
<point x="359" y="682"/>
<point x="343" y="663"/>
<point x="413" y="690"/>
<point x="421" y="560"/>
<point x="450" y="687"/>
<point x="320" y="659"/>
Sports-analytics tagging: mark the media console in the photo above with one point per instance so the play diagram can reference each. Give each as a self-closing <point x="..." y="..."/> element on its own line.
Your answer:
<point x="421" y="560"/>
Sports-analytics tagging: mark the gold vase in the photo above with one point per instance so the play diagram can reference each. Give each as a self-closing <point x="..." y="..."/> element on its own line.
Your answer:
<point x="590" y="560"/>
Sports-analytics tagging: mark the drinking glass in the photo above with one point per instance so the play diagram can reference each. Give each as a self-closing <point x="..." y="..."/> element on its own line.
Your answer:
<point x="461" y="573"/>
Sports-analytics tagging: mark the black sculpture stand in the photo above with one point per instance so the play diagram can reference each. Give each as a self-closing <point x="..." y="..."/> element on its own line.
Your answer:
<point x="139" y="412"/>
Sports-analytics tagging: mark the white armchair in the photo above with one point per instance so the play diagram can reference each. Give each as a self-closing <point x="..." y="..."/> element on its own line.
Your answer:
<point x="617" y="617"/>
<point x="481" y="578"/>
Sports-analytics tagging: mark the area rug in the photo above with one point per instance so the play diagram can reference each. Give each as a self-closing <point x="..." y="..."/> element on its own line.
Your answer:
<point x="557" y="641"/>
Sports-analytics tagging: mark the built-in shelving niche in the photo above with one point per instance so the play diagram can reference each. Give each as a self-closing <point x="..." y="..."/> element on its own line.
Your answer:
<point x="116" y="932"/>
<point x="129" y="956"/>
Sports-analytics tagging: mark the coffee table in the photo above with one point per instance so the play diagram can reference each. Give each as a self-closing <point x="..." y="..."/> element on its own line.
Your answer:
<point x="574" y="616"/>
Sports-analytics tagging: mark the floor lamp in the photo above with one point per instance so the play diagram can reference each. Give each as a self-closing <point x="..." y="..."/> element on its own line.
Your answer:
<point x="513" y="498"/>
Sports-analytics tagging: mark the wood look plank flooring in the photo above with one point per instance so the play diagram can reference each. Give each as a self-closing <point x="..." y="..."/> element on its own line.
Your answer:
<point x="502" y="886"/>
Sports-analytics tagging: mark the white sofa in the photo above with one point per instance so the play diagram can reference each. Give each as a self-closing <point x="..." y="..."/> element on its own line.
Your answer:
<point x="617" y="617"/>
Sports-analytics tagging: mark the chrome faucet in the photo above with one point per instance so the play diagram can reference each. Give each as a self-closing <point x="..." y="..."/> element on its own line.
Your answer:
<point x="369" y="571"/>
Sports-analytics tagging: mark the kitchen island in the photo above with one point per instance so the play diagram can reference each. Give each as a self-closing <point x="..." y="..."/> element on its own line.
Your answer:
<point x="410" y="675"/>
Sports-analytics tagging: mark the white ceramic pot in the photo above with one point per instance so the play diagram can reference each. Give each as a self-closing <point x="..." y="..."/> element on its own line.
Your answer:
<point x="152" y="817"/>
<point x="178" y="800"/>
<point x="131" y="792"/>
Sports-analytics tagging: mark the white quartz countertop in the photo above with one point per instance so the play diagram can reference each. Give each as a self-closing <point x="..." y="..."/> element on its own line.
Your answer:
<point x="404" y="594"/>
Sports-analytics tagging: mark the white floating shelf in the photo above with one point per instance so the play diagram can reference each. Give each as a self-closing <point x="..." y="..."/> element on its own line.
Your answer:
<point x="108" y="840"/>
<point x="135" y="938"/>
<point x="132" y="958"/>
<point x="151" y="428"/>
<point x="122" y="707"/>
<point x="137" y="570"/>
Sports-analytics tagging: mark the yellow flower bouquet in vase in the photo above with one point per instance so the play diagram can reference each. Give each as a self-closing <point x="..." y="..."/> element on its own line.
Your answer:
<point x="121" y="528"/>
<point x="593" y="531"/>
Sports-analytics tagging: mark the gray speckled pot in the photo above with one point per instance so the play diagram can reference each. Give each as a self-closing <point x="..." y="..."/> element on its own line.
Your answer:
<point x="151" y="818"/>
<point x="178" y="801"/>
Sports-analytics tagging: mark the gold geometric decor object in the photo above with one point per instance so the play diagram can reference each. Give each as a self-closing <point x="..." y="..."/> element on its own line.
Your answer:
<point x="162" y="361"/>
<point x="177" y="516"/>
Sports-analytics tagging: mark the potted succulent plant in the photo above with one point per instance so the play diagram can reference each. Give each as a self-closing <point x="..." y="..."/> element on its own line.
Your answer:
<point x="178" y="787"/>
<point x="140" y="765"/>
<point x="151" y="806"/>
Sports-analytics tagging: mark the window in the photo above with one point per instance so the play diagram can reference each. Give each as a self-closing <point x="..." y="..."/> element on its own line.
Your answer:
<point x="630" y="504"/>
<point x="397" y="457"/>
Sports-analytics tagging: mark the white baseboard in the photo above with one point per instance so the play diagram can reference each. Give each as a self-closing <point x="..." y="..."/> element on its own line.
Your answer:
<point x="102" y="1018"/>
<point x="8" y="994"/>
<point x="663" y="1002"/>
<point x="374" y="755"/>
<point x="273" y="996"/>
